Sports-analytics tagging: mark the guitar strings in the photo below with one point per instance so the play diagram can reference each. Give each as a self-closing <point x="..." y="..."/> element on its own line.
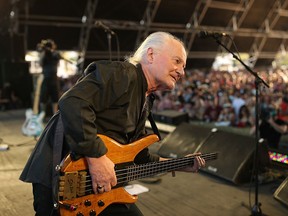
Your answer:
<point x="148" y="167"/>
<point x="137" y="171"/>
<point x="137" y="168"/>
<point x="121" y="172"/>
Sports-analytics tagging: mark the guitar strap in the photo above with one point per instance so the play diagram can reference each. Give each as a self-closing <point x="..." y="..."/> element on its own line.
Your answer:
<point x="151" y="119"/>
<point x="153" y="125"/>
<point x="57" y="157"/>
<point x="146" y="114"/>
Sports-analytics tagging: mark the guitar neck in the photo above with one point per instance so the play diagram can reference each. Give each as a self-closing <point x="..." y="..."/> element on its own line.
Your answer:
<point x="136" y="172"/>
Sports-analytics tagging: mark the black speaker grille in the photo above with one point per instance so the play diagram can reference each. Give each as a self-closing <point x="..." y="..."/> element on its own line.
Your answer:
<point x="236" y="152"/>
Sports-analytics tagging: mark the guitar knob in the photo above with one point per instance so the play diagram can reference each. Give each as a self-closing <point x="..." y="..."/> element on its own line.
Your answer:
<point x="87" y="203"/>
<point x="101" y="203"/>
<point x="92" y="213"/>
<point x="79" y="214"/>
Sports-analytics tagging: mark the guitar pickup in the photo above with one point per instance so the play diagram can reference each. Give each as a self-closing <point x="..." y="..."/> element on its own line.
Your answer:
<point x="70" y="185"/>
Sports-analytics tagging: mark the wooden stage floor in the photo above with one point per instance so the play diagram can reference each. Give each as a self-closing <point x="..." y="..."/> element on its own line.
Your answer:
<point x="184" y="195"/>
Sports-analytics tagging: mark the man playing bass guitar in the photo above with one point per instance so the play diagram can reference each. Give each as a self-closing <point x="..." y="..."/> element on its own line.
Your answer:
<point x="112" y="99"/>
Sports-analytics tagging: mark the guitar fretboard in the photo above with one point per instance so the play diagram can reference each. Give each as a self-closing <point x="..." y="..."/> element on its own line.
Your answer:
<point x="135" y="172"/>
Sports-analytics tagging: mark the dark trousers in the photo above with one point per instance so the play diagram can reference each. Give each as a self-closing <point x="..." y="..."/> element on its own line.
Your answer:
<point x="43" y="205"/>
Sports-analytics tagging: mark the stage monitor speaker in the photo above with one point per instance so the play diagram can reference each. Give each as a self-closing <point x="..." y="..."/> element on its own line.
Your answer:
<point x="236" y="155"/>
<point x="184" y="140"/>
<point x="235" y="151"/>
<point x="171" y="117"/>
<point x="281" y="194"/>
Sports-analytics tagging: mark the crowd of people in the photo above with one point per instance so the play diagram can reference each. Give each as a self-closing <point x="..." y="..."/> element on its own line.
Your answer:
<point x="229" y="99"/>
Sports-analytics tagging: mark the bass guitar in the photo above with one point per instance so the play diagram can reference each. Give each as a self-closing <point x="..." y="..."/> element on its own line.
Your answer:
<point x="33" y="125"/>
<point x="76" y="195"/>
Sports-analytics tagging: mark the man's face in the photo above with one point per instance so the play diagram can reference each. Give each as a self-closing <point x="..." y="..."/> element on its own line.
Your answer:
<point x="168" y="65"/>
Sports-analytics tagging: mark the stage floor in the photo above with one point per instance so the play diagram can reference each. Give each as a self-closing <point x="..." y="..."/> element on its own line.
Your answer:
<point x="184" y="195"/>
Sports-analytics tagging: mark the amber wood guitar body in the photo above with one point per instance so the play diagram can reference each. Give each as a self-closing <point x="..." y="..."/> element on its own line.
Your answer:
<point x="76" y="197"/>
<point x="118" y="154"/>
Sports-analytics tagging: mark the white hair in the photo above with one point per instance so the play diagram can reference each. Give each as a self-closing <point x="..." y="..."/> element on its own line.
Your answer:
<point x="154" y="40"/>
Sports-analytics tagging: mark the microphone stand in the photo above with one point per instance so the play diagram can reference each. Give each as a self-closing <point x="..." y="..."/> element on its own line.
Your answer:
<point x="212" y="133"/>
<point x="256" y="210"/>
<point x="109" y="33"/>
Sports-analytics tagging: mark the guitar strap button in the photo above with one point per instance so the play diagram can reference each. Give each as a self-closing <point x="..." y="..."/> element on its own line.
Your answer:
<point x="57" y="168"/>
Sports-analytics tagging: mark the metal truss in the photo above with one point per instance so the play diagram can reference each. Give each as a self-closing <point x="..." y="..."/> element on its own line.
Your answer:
<point x="189" y="30"/>
<point x="87" y="23"/>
